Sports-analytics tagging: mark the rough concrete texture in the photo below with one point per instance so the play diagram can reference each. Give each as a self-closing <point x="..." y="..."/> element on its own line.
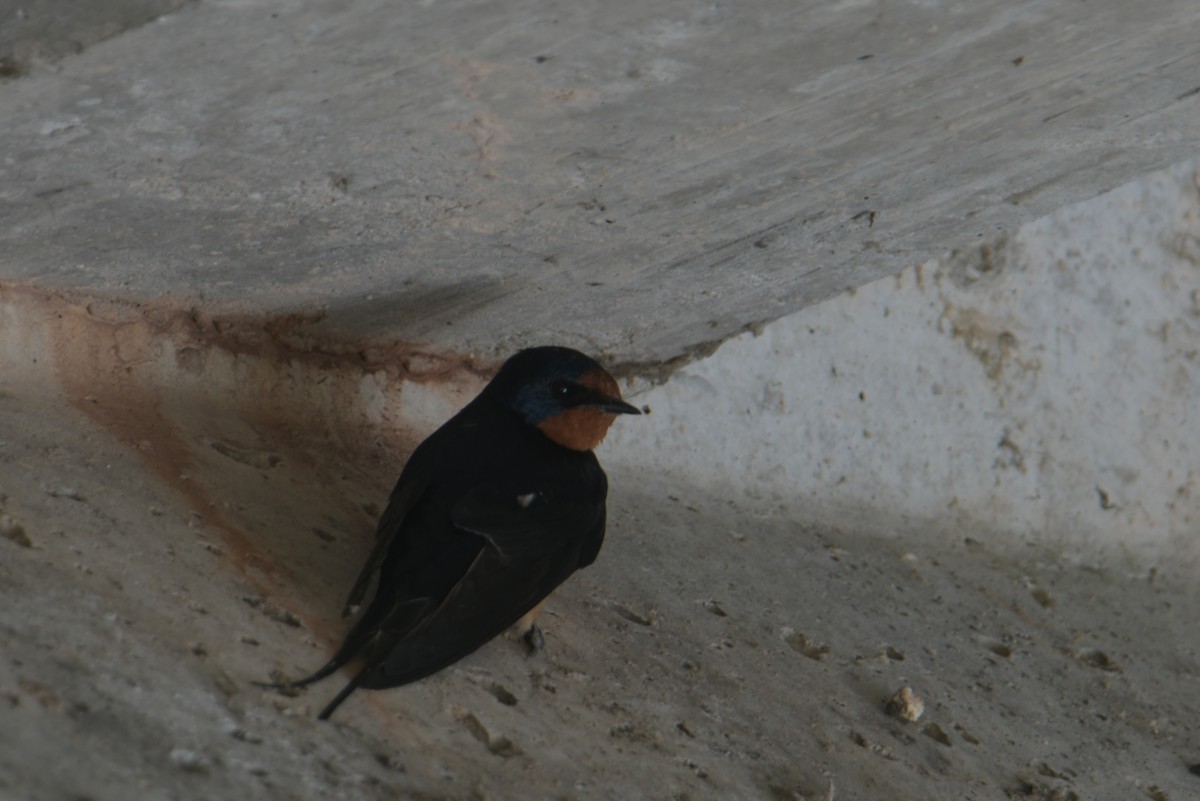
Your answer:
<point x="480" y="175"/>
<point x="721" y="648"/>
<point x="184" y="503"/>
<point x="221" y="235"/>
<point x="1044" y="386"/>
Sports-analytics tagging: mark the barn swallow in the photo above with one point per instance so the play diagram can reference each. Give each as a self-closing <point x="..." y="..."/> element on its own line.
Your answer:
<point x="491" y="513"/>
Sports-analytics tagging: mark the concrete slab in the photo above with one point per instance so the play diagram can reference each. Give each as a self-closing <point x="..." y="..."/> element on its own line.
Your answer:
<point x="634" y="178"/>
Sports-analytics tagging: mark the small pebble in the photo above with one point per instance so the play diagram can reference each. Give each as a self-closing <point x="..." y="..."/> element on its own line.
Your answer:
<point x="906" y="705"/>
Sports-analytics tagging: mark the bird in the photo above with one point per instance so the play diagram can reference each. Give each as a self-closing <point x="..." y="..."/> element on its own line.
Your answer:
<point x="491" y="513"/>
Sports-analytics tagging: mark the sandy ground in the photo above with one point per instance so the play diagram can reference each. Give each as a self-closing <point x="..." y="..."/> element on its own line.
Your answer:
<point x="718" y="649"/>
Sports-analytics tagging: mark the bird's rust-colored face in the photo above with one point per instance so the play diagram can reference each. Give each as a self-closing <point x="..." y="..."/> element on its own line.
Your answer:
<point x="582" y="428"/>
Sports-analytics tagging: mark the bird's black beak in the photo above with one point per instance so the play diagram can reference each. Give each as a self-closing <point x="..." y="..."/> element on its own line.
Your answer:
<point x="586" y="396"/>
<point x="616" y="406"/>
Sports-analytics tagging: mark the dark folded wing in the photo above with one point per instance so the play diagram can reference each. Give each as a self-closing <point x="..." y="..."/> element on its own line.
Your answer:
<point x="524" y="526"/>
<point x="533" y="545"/>
<point x="404" y="498"/>
<point x="485" y="603"/>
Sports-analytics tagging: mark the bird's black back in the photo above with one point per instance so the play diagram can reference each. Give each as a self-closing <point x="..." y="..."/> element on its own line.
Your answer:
<point x="433" y="562"/>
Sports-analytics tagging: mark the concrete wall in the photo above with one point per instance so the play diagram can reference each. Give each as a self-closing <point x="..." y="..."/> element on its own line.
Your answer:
<point x="1045" y="386"/>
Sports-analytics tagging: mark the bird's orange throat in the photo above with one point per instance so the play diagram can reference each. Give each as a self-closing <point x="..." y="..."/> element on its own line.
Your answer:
<point x="580" y="429"/>
<point x="584" y="427"/>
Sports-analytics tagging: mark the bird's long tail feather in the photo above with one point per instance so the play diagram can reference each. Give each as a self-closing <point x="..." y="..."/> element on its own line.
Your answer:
<point x="350" y="687"/>
<point x="328" y="668"/>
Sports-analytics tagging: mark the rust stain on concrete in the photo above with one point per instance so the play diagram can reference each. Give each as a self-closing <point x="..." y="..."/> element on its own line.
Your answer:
<point x="321" y="427"/>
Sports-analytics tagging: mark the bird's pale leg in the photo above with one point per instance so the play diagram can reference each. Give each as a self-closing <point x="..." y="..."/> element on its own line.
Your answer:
<point x="530" y="632"/>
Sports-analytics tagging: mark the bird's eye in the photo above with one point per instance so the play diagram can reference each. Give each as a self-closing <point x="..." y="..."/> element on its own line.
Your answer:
<point x="562" y="389"/>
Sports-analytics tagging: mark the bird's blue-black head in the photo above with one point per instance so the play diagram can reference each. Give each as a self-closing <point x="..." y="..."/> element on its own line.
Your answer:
<point x="566" y="394"/>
